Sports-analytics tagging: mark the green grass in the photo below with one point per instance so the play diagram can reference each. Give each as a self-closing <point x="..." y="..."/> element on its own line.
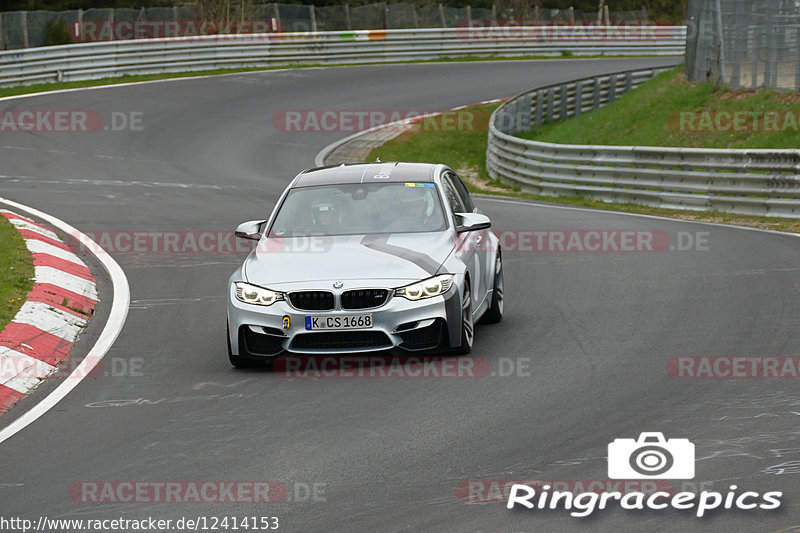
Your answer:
<point x="128" y="78"/>
<point x="459" y="138"/>
<point x="651" y="116"/>
<point x="16" y="272"/>
<point x="465" y="151"/>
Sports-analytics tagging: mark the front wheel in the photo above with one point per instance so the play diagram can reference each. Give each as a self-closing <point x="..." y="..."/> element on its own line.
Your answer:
<point x="494" y="314"/>
<point x="467" y="326"/>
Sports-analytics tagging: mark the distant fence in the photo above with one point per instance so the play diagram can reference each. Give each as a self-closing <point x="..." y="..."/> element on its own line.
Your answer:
<point x="753" y="182"/>
<point x="183" y="54"/>
<point x="744" y="43"/>
<point x="23" y="29"/>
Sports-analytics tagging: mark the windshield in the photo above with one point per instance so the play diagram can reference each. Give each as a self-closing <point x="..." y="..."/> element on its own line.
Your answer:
<point x="359" y="208"/>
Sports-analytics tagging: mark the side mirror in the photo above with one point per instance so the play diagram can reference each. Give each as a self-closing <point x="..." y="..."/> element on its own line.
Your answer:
<point x="250" y="230"/>
<point x="472" y="222"/>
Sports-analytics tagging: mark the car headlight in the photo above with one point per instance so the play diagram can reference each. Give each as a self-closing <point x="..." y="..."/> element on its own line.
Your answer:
<point x="251" y="294"/>
<point x="427" y="288"/>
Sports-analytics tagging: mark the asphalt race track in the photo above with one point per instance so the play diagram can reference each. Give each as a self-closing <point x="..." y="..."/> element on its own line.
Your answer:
<point x="588" y="335"/>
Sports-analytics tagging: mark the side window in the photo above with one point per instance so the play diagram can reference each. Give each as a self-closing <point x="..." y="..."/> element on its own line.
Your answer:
<point x="456" y="205"/>
<point x="463" y="193"/>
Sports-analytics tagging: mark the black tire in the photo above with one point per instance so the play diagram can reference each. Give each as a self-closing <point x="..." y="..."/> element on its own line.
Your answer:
<point x="467" y="324"/>
<point x="244" y="361"/>
<point x="494" y="314"/>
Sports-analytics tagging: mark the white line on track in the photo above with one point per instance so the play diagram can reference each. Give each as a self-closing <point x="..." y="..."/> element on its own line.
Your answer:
<point x="111" y="330"/>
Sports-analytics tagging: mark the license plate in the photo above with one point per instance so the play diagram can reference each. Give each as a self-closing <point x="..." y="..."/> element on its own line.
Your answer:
<point x="339" y="322"/>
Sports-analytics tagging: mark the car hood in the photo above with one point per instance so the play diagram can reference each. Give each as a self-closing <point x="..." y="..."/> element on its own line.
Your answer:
<point x="405" y="256"/>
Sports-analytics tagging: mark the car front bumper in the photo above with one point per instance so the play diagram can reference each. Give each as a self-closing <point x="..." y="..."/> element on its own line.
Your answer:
<point x="259" y="331"/>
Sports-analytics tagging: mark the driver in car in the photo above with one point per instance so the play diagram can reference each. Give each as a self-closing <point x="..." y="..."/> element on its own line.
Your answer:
<point x="418" y="205"/>
<point x="323" y="215"/>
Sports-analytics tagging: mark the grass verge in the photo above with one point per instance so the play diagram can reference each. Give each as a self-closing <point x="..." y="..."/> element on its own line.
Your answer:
<point x="16" y="266"/>
<point x="669" y="111"/>
<point x="464" y="149"/>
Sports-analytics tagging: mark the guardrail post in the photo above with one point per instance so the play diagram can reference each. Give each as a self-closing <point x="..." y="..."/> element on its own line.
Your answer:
<point x="551" y="95"/>
<point x="2" y="44"/>
<point x="506" y="122"/>
<point x="350" y="24"/>
<point x="469" y="16"/>
<point x="564" y="109"/>
<point x="24" y="23"/>
<point x="628" y="82"/>
<point x="578" y="98"/>
<point x="313" y="16"/>
<point x="537" y="115"/>
<point x="756" y="60"/>
<point x="277" y="9"/>
<point x="596" y="94"/>
<point x="79" y="29"/>
<point x="441" y="16"/>
<point x="720" y="44"/>
<point x="522" y="117"/>
<point x="513" y="123"/>
<point x="612" y="89"/>
<point x="797" y="68"/>
<point x="500" y="120"/>
<point x="523" y="120"/>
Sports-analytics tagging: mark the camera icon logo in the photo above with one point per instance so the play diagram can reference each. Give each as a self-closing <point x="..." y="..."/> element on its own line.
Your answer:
<point x="651" y="457"/>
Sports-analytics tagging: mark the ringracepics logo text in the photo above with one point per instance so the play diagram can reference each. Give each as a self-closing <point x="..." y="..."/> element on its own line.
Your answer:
<point x="586" y="503"/>
<point x="650" y="456"/>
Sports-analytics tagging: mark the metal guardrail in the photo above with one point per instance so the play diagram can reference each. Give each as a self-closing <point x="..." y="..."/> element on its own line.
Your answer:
<point x="183" y="54"/>
<point x="752" y="182"/>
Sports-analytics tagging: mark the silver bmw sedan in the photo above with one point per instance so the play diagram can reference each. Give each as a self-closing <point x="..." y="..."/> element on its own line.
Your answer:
<point x="363" y="258"/>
